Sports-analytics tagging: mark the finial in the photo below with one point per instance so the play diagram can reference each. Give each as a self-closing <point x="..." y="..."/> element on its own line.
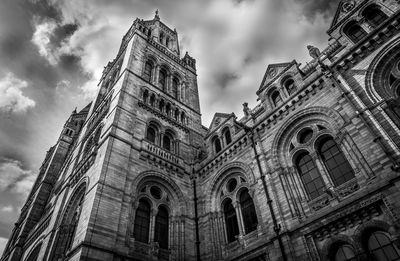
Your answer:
<point x="157" y="16"/>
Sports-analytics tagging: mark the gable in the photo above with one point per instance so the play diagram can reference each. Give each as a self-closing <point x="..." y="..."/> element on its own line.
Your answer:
<point x="218" y="119"/>
<point x="344" y="10"/>
<point x="273" y="71"/>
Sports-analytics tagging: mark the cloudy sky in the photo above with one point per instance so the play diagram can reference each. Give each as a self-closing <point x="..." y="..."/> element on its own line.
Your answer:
<point x="52" y="53"/>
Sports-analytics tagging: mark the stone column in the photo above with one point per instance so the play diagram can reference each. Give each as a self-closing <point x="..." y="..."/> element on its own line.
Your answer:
<point x="239" y="218"/>
<point x="153" y="215"/>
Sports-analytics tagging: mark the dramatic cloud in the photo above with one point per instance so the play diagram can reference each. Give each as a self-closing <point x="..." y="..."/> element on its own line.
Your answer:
<point x="41" y="38"/>
<point x="11" y="97"/>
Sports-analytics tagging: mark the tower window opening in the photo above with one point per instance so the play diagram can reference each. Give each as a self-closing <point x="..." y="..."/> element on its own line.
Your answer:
<point x="355" y="32"/>
<point x="276" y="98"/>
<point x="217" y="144"/>
<point x="162" y="79"/>
<point x="148" y="70"/>
<point x="374" y="15"/>
<point x="227" y="136"/>
<point x="289" y="86"/>
<point x="175" y="84"/>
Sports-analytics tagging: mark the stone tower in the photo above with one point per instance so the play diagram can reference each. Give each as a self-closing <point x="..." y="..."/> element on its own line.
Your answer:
<point x="133" y="146"/>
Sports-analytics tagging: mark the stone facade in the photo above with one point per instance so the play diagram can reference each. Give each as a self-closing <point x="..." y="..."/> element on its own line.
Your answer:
<point x="310" y="173"/>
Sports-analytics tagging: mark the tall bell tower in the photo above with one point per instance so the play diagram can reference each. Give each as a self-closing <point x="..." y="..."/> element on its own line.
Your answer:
<point x="124" y="189"/>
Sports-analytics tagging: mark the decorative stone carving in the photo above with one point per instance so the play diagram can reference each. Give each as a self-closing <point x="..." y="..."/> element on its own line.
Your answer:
<point x="313" y="51"/>
<point x="348" y="6"/>
<point x="348" y="189"/>
<point x="246" y="109"/>
<point x="320" y="202"/>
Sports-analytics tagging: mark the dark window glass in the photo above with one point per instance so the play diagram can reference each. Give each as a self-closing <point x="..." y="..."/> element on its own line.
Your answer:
<point x="183" y="117"/>
<point x="142" y="222"/>
<point x="175" y="84"/>
<point x="176" y="116"/>
<point x="148" y="69"/>
<point x="151" y="134"/>
<point x="276" y="98"/>
<point x="248" y="212"/>
<point x="345" y="253"/>
<point x="382" y="248"/>
<point x="337" y="165"/>
<point x="290" y="86"/>
<point x="161" y="227"/>
<point x="152" y="100"/>
<point x="354" y="32"/>
<point x="305" y="135"/>
<point x="161" y="105"/>
<point x="34" y="254"/>
<point x="232" y="228"/>
<point x="167" y="142"/>
<point x="310" y="176"/>
<point x="227" y="134"/>
<point x="145" y="96"/>
<point x="162" y="79"/>
<point x="155" y="192"/>
<point x="168" y="109"/>
<point x="374" y="15"/>
<point x="217" y="145"/>
<point x="232" y="185"/>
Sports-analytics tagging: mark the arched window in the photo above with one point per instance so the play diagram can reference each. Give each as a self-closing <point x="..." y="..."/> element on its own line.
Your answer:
<point x="183" y="117"/>
<point x="176" y="116"/>
<point x="276" y="98"/>
<point x="175" y="84"/>
<point x="382" y="248"/>
<point x="232" y="229"/>
<point x="65" y="237"/>
<point x="161" y="105"/>
<point x="167" y="142"/>
<point x="167" y="41"/>
<point x="217" y="144"/>
<point x="152" y="100"/>
<point x="309" y="175"/>
<point x="337" y="165"/>
<point x="148" y="71"/>
<point x="345" y="253"/>
<point x="151" y="134"/>
<point x="33" y="256"/>
<point x="162" y="79"/>
<point x="374" y="15"/>
<point x="248" y="212"/>
<point x="227" y="135"/>
<point x="161" y="227"/>
<point x="168" y="109"/>
<point x="354" y="31"/>
<point x="145" y="96"/>
<point x="142" y="222"/>
<point x="289" y="86"/>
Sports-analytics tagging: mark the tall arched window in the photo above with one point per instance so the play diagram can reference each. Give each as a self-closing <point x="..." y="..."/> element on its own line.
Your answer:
<point x="161" y="105"/>
<point x="167" y="142"/>
<point x="145" y="96"/>
<point x="276" y="98"/>
<point x="248" y="212"/>
<point x="151" y="134"/>
<point x="168" y="109"/>
<point x="161" y="227"/>
<point x="148" y="71"/>
<point x="33" y="256"/>
<point x="175" y="85"/>
<point x="382" y="248"/>
<point x="345" y="252"/>
<point x="309" y="175"/>
<point x="152" y="100"/>
<point x="162" y="79"/>
<point x="216" y="144"/>
<point x="289" y="86"/>
<point x="232" y="228"/>
<point x="183" y="117"/>
<point x="335" y="162"/>
<point x="142" y="222"/>
<point x="176" y="114"/>
<point x="374" y="15"/>
<point x="66" y="232"/>
<point x="227" y="135"/>
<point x="354" y="31"/>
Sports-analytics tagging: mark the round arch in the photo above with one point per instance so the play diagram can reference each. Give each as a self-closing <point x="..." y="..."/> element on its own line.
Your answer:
<point x="222" y="175"/>
<point x="323" y="116"/>
<point x="335" y="241"/>
<point x="374" y="80"/>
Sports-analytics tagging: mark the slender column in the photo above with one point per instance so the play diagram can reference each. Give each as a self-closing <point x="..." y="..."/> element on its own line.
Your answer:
<point x="325" y="176"/>
<point x="156" y="74"/>
<point x="153" y="215"/>
<point x="239" y="218"/>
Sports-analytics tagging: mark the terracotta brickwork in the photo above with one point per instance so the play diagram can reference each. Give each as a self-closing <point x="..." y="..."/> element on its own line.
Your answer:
<point x="310" y="173"/>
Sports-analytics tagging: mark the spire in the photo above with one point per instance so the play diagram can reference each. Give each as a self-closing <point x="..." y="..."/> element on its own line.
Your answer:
<point x="156" y="16"/>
